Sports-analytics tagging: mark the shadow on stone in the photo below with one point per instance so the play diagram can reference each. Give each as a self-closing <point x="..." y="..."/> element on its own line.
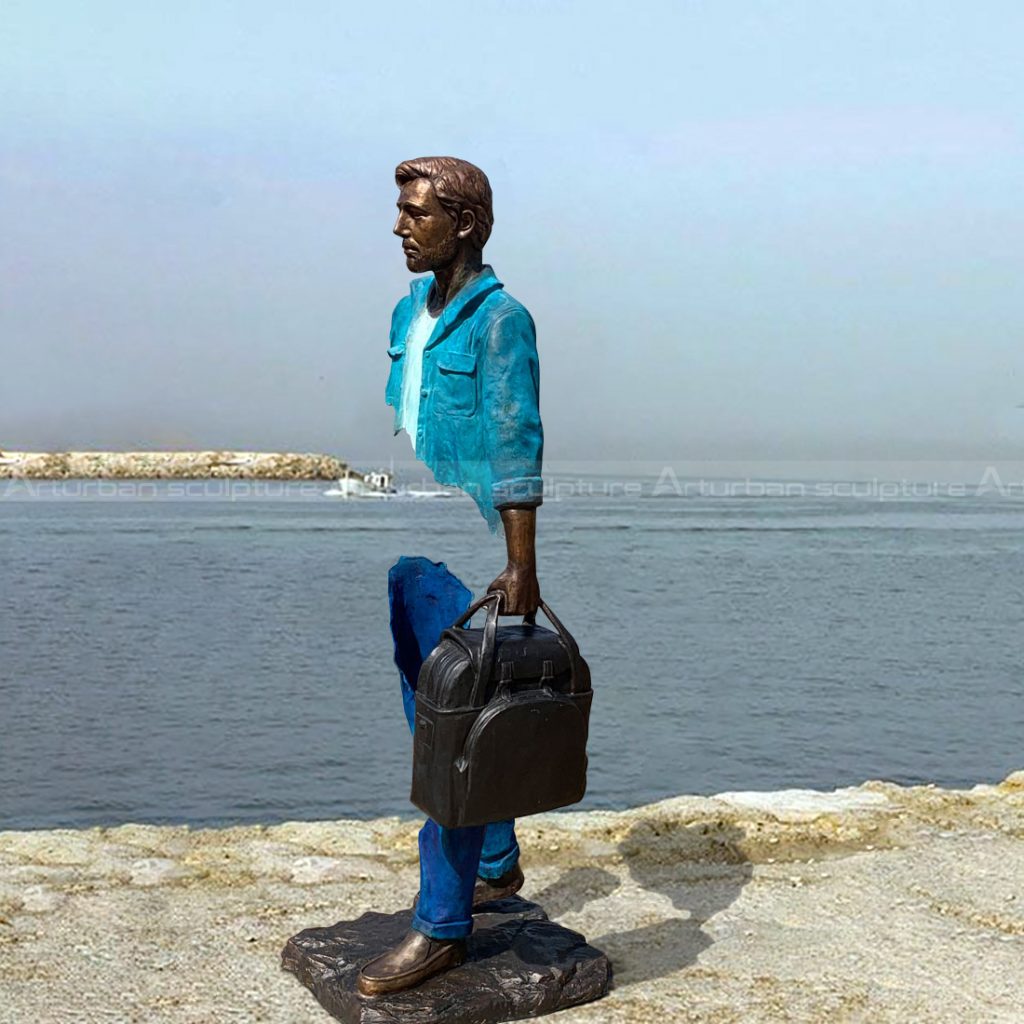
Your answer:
<point x="576" y="888"/>
<point x="701" y="869"/>
<point x="519" y="964"/>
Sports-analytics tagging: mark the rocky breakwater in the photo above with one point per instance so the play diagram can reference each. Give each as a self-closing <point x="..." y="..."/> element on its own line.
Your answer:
<point x="876" y="904"/>
<point x="170" y="466"/>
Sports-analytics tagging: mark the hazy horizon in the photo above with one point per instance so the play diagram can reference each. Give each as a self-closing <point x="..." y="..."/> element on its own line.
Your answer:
<point x="746" y="233"/>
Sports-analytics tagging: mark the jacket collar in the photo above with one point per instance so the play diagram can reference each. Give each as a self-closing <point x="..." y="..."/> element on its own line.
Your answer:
<point x="469" y="296"/>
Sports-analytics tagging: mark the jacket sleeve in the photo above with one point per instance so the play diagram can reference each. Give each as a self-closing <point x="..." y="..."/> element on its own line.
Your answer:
<point x="514" y="436"/>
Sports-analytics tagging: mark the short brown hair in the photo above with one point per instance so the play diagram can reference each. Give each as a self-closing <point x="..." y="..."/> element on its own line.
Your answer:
<point x="458" y="184"/>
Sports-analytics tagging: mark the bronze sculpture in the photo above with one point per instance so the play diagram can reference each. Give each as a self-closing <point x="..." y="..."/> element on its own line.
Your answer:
<point x="464" y="382"/>
<point x="499" y="715"/>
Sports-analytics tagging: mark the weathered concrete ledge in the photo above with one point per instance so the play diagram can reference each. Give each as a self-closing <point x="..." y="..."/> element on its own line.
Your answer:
<point x="872" y="904"/>
<point x="170" y="466"/>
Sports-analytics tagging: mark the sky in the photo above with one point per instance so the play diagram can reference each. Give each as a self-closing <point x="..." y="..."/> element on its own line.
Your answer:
<point x="746" y="230"/>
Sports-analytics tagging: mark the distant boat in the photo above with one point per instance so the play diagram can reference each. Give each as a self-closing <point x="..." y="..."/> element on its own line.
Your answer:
<point x="376" y="484"/>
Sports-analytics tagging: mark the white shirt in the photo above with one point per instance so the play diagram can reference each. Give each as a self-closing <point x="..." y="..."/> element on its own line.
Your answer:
<point x="419" y="334"/>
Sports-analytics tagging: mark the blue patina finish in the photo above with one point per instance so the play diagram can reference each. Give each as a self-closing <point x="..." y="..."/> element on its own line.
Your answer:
<point x="425" y="599"/>
<point x="479" y="424"/>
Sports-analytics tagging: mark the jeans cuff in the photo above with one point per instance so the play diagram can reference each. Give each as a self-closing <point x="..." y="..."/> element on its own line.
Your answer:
<point x="498" y="868"/>
<point x="448" y="930"/>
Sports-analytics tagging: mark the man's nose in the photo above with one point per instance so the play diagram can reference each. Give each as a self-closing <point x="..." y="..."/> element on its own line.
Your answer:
<point x="401" y="228"/>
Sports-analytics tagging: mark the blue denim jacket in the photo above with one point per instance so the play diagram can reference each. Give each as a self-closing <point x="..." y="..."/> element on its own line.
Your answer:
<point x="479" y="422"/>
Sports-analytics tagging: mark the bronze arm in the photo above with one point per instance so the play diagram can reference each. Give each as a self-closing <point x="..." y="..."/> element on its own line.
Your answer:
<point x="518" y="581"/>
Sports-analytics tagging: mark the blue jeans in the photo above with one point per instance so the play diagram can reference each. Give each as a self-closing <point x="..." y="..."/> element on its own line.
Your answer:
<point x="425" y="599"/>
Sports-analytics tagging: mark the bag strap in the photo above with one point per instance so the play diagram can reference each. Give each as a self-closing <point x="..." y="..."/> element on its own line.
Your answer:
<point x="486" y="663"/>
<point x="568" y="642"/>
<point x="475" y="607"/>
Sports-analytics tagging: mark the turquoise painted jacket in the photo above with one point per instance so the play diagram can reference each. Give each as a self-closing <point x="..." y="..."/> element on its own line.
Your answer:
<point x="479" y="422"/>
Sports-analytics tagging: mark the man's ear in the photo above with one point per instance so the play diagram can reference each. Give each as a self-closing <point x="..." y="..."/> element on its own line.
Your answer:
<point x="466" y="223"/>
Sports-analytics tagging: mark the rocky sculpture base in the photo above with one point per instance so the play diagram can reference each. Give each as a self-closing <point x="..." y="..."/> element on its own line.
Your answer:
<point x="518" y="964"/>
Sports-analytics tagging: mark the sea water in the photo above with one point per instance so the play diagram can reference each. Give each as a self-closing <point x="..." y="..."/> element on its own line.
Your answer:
<point x="204" y="654"/>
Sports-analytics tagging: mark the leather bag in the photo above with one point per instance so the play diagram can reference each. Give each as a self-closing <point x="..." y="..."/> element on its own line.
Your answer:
<point x="502" y="715"/>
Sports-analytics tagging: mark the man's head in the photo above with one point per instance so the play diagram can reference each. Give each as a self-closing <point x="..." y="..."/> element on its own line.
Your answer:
<point x="444" y="209"/>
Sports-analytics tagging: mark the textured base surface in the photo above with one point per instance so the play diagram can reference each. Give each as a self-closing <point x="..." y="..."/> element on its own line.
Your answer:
<point x="518" y="964"/>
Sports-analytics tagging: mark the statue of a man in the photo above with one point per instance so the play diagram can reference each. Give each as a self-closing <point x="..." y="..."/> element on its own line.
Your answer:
<point x="465" y="385"/>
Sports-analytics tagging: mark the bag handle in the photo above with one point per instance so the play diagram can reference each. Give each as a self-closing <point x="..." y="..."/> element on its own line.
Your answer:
<point x="483" y="670"/>
<point x="494" y="595"/>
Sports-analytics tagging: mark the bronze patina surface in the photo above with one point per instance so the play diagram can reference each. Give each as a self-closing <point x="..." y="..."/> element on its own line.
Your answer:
<point x="518" y="964"/>
<point x="446" y="236"/>
<point x="464" y="381"/>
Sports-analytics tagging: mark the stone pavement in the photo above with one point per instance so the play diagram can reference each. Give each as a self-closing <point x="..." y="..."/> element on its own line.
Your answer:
<point x="873" y="904"/>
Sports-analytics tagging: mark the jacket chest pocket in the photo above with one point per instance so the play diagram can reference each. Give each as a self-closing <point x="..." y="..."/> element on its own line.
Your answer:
<point x="456" y="384"/>
<point x="393" y="390"/>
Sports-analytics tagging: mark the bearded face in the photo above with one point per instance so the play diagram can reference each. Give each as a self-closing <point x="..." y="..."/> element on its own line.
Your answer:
<point x="428" y="231"/>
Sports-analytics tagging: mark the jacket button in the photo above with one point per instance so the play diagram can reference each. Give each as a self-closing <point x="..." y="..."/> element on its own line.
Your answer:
<point x="423" y="393"/>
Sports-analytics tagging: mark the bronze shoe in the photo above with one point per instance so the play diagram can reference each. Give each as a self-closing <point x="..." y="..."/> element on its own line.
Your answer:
<point x="487" y="890"/>
<point x="416" y="958"/>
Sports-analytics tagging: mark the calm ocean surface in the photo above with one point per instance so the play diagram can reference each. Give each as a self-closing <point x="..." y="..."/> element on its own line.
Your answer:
<point x="207" y="660"/>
